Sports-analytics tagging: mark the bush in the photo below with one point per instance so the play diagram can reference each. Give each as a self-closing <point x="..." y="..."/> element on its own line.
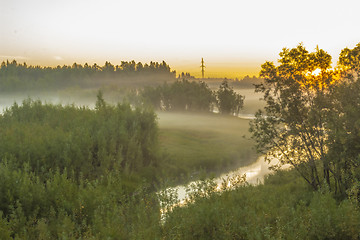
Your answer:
<point x="276" y="210"/>
<point x="80" y="140"/>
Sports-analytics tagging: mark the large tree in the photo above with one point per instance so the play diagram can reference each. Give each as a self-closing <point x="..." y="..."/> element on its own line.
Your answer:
<point x="292" y="126"/>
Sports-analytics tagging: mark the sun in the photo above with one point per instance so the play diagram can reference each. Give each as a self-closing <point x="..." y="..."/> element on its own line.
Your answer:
<point x="316" y="72"/>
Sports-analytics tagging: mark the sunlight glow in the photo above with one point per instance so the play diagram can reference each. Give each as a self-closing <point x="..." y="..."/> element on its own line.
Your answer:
<point x="229" y="35"/>
<point x="316" y="72"/>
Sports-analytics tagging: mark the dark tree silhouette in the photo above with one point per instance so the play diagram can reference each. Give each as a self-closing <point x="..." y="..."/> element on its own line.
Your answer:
<point x="228" y="101"/>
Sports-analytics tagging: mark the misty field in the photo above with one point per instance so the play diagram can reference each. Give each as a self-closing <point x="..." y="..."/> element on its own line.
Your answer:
<point x="204" y="143"/>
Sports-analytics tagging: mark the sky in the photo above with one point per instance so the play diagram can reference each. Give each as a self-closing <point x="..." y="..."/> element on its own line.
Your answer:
<point x="233" y="36"/>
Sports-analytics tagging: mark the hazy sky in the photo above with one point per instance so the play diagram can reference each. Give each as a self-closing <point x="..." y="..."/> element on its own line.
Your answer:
<point x="233" y="36"/>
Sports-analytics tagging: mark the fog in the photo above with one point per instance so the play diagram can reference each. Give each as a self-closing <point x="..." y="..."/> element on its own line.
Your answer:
<point x="209" y="141"/>
<point x="76" y="95"/>
<point x="252" y="101"/>
<point x="193" y="141"/>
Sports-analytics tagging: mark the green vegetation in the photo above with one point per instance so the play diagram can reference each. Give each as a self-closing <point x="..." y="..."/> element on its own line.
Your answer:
<point x="229" y="102"/>
<point x="310" y="121"/>
<point x="90" y="142"/>
<point x="62" y="208"/>
<point x="192" y="96"/>
<point x="73" y="172"/>
<point x="285" y="207"/>
<point x="180" y="96"/>
<point x="310" y="115"/>
<point x="70" y="172"/>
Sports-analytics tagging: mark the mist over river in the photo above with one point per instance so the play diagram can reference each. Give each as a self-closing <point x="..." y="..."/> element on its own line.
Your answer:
<point x="254" y="174"/>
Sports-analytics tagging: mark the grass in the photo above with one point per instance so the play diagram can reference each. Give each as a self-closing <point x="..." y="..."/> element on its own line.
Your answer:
<point x="284" y="207"/>
<point x="210" y="143"/>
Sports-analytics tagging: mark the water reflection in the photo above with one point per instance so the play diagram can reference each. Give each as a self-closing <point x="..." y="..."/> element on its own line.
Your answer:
<point x="254" y="173"/>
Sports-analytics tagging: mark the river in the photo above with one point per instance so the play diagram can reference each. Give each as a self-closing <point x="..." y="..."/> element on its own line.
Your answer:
<point x="254" y="173"/>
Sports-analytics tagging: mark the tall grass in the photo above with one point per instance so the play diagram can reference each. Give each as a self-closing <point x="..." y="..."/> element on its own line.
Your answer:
<point x="283" y="208"/>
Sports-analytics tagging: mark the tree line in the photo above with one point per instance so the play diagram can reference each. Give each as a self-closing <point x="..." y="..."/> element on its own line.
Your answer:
<point x="18" y="77"/>
<point x="185" y="95"/>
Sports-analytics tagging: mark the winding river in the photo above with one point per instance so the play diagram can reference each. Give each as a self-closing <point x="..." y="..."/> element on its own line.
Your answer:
<point x="255" y="174"/>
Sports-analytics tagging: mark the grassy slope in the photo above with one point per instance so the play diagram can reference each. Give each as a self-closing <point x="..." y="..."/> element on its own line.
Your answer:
<point x="210" y="142"/>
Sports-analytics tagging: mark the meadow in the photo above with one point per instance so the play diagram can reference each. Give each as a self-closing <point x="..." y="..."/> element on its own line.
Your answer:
<point x="204" y="144"/>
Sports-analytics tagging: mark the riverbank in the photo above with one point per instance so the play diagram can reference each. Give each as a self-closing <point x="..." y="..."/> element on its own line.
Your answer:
<point x="284" y="207"/>
<point x="251" y="174"/>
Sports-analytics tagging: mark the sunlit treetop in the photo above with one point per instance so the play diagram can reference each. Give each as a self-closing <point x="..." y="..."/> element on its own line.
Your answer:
<point x="309" y="116"/>
<point x="349" y="59"/>
<point x="310" y="70"/>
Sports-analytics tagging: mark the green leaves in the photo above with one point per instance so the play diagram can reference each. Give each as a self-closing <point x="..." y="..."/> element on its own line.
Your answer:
<point x="72" y="173"/>
<point x="350" y="59"/>
<point x="180" y="96"/>
<point x="91" y="142"/>
<point x="292" y="126"/>
<point x="229" y="102"/>
<point x="193" y="96"/>
<point x="311" y="120"/>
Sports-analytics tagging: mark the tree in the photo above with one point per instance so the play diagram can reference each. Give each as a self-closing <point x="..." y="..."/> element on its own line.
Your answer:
<point x="180" y="96"/>
<point x="292" y="126"/>
<point x="229" y="102"/>
<point x="100" y="102"/>
<point x="108" y="69"/>
<point x="343" y="130"/>
<point x="350" y="59"/>
<point x="343" y="126"/>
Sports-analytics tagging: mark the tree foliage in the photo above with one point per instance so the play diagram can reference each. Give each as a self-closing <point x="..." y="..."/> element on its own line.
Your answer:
<point x="181" y="95"/>
<point x="292" y="127"/>
<point x="71" y="172"/>
<point x="350" y="59"/>
<point x="193" y="96"/>
<point x="344" y="134"/>
<point x="228" y="101"/>
<point x="344" y="125"/>
<point x="79" y="140"/>
<point x="311" y="117"/>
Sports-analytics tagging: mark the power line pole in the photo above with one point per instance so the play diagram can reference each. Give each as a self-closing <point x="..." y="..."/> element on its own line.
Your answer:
<point x="202" y="67"/>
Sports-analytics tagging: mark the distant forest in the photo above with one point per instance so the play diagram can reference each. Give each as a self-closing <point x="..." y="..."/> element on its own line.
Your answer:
<point x="245" y="82"/>
<point x="19" y="77"/>
<point x="15" y="76"/>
